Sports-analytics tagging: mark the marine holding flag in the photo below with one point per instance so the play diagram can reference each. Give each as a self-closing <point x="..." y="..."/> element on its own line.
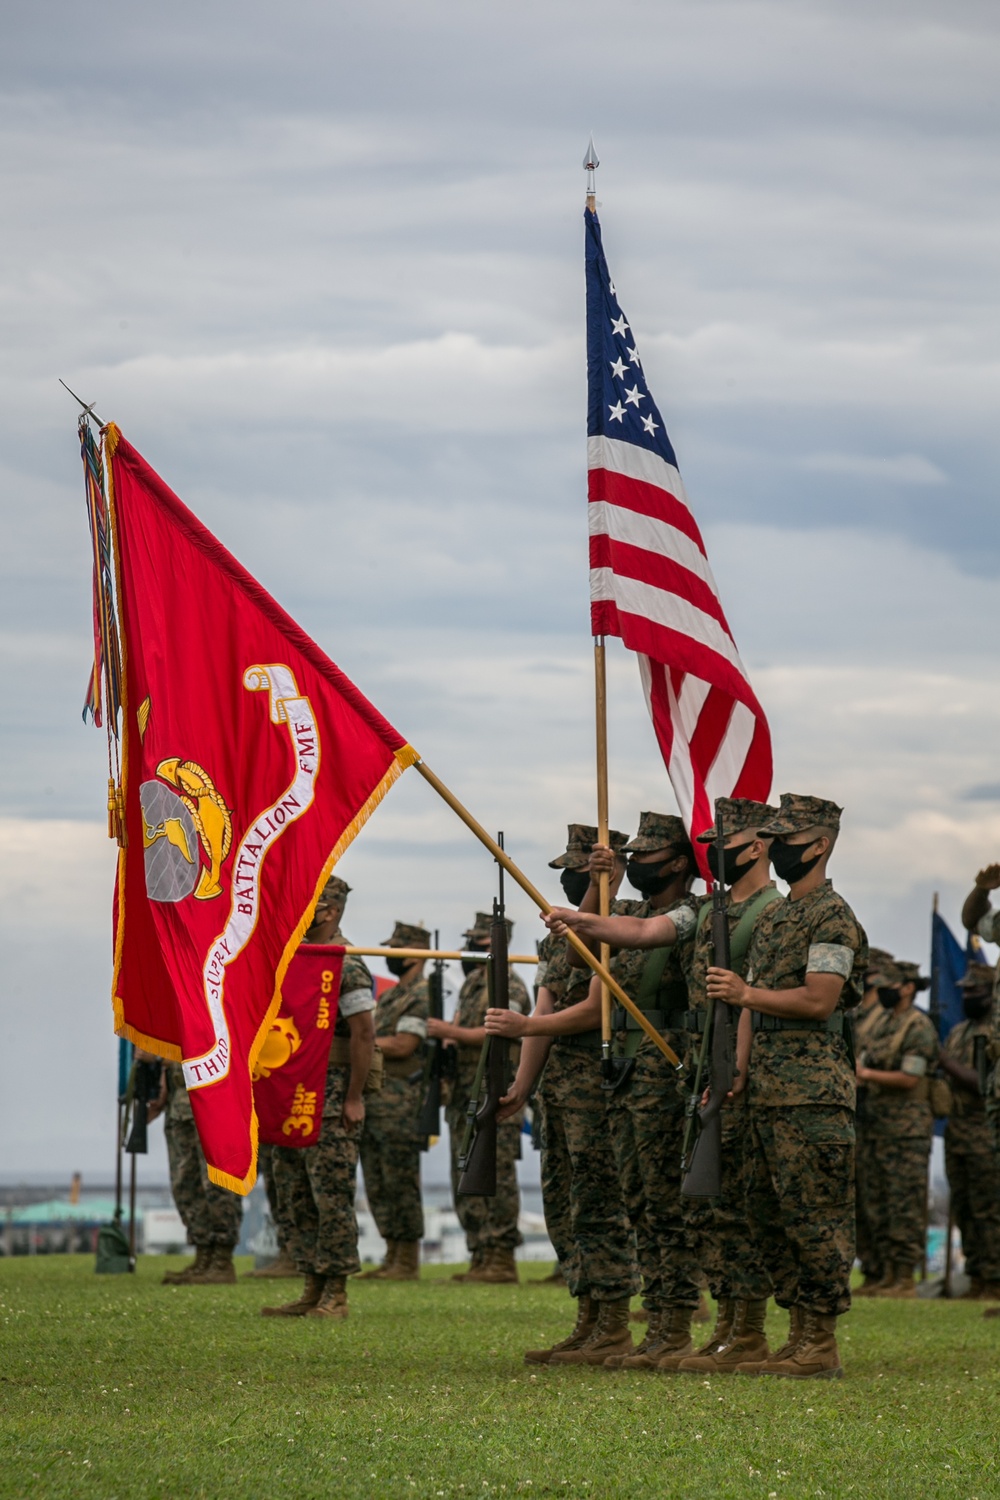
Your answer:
<point x="249" y="763"/>
<point x="650" y="579"/>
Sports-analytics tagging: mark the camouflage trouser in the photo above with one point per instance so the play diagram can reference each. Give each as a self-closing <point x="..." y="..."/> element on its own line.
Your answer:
<point x="801" y="1202"/>
<point x="974" y="1179"/>
<point x="315" y="1188"/>
<point x="647" y="1128"/>
<point x="867" y="1249"/>
<point x="489" y="1223"/>
<point x="581" y="1193"/>
<point x="390" y="1160"/>
<point x="896" y="1179"/>
<point x="719" y="1228"/>
<point x="265" y="1166"/>
<point x="212" y="1215"/>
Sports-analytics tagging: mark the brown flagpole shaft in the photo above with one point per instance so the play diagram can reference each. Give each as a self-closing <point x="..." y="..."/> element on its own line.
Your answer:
<point x="443" y="953"/>
<point x="601" y="697"/>
<point x="545" y="907"/>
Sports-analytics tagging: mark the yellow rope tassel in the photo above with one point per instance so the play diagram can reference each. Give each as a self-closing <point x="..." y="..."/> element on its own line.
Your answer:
<point x="112" y="810"/>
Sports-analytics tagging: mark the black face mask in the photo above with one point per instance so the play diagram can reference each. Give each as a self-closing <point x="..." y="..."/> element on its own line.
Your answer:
<point x="648" y="880"/>
<point x="469" y="965"/>
<point x="731" y="871"/>
<point x="977" y="1006"/>
<point x="788" y="862"/>
<point x="398" y="966"/>
<point x="575" y="884"/>
<point x="888" y="997"/>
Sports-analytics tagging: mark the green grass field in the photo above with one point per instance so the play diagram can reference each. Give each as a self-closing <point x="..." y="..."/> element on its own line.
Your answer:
<point x="118" y="1386"/>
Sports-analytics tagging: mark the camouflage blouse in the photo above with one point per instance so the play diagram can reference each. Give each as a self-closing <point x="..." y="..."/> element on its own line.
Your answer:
<point x="627" y="964"/>
<point x="817" y="934"/>
<point x="473" y="1002"/>
<point x="905" y="1043"/>
<point x="959" y="1044"/>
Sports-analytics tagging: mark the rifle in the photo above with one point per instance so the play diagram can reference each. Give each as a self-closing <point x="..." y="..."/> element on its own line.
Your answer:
<point x="143" y="1090"/>
<point x="703" y="1169"/>
<point x="478" y="1158"/>
<point x="429" y="1120"/>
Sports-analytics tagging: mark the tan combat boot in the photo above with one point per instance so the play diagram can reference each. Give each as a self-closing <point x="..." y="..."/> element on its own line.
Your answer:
<point x="280" y="1269"/>
<point x="903" y="1286"/>
<point x="975" y="1290"/>
<point x="311" y="1293"/>
<point x="586" y="1318"/>
<point x="888" y="1281"/>
<point x="815" y="1357"/>
<point x="182" y="1277"/>
<point x="990" y="1292"/>
<point x="498" y="1268"/>
<point x="746" y="1344"/>
<point x="476" y="1261"/>
<point x="610" y="1335"/>
<point x="379" y="1273"/>
<point x="218" y="1271"/>
<point x="795" y="1335"/>
<point x="643" y="1357"/>
<point x="333" y="1302"/>
<point x="677" y="1343"/>
<point x="702" y="1313"/>
<point x="870" y="1285"/>
<point x="406" y="1265"/>
<point x="725" y="1309"/>
<point x="554" y="1278"/>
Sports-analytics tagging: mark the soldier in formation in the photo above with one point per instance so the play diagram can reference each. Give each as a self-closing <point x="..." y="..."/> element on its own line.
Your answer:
<point x="390" y="1145"/>
<point x="970" y="1156"/>
<point x="490" y="1224"/>
<point x="899" y="1055"/>
<point x="212" y="1215"/>
<point x="315" y="1185"/>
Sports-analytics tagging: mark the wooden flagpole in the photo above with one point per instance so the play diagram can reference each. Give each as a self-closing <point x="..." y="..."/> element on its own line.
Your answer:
<point x="604" y="891"/>
<point x="503" y="858"/>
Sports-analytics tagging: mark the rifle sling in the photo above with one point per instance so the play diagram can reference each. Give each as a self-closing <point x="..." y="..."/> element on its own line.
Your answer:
<point x="739" y="938"/>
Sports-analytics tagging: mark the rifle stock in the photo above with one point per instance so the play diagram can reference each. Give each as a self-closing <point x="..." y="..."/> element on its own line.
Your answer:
<point x="703" y="1177"/>
<point x="479" y="1149"/>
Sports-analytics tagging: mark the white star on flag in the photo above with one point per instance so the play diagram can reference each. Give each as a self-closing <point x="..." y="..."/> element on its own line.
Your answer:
<point x="634" y="396"/>
<point x="619" y="326"/>
<point x="617" y="412"/>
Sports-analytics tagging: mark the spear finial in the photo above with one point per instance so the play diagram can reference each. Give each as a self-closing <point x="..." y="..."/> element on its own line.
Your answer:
<point x="88" y="411"/>
<point x="590" y="166"/>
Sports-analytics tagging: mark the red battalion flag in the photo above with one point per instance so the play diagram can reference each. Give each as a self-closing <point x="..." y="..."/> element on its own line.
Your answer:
<point x="650" y="579"/>
<point x="249" y="763"/>
<point x="289" y="1078"/>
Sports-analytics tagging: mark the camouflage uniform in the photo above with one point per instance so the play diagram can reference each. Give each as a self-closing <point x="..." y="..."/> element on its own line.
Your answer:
<point x="646" y="1114"/>
<point x="971" y="1164"/>
<point x="801" y="1192"/>
<point x="315" y="1185"/>
<point x="581" y="1193"/>
<point x="899" y="1127"/>
<point x="212" y="1215"/>
<point x="719" y="1228"/>
<point x="390" y="1145"/>
<point x="861" y="1025"/>
<point x="489" y="1223"/>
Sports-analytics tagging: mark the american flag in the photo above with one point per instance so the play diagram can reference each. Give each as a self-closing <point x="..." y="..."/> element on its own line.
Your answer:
<point x="650" y="582"/>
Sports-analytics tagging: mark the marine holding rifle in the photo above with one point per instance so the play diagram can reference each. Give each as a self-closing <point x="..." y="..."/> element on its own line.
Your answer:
<point x="714" y="1236"/>
<point x="390" y="1145"/>
<point x="581" y="1192"/>
<point x="805" y="970"/>
<point x="490" y="1224"/>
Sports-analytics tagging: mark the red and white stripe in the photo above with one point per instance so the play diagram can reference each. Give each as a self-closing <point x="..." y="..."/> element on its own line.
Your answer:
<point x="651" y="584"/>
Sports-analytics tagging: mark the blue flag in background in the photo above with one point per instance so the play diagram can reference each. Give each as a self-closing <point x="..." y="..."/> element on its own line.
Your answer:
<point x="949" y="961"/>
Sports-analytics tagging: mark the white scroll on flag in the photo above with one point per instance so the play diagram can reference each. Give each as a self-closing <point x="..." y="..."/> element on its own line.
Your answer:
<point x="650" y="580"/>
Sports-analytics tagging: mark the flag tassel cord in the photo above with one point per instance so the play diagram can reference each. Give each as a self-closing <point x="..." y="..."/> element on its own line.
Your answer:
<point x="544" y="907"/>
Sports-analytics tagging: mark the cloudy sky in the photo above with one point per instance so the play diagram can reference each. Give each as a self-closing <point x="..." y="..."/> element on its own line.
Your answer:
<point x="323" y="265"/>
